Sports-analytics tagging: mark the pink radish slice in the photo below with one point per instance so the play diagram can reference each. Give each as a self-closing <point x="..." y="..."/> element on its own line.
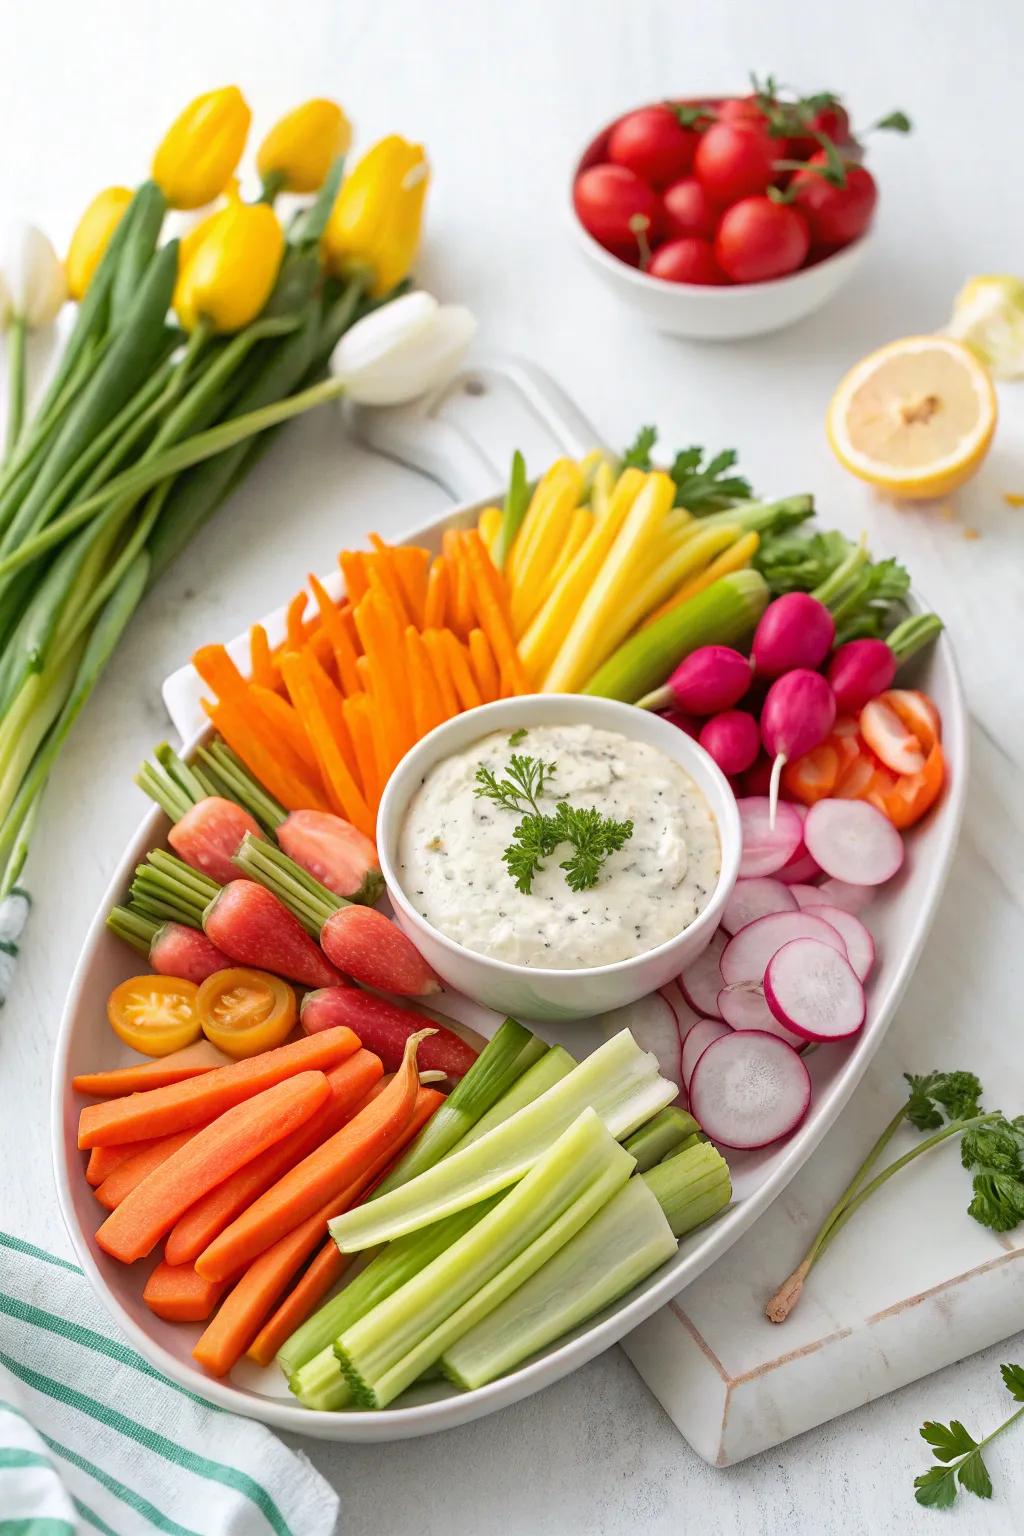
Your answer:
<point x="743" y="1006"/>
<point x="652" y="1023"/>
<point x="746" y="956"/>
<point x="799" y="870"/>
<point x="749" y="1089"/>
<point x="697" y="1042"/>
<point x="766" y="849"/>
<point x="852" y="898"/>
<point x="852" y="841"/>
<point x="813" y="991"/>
<point x="701" y="982"/>
<point x="806" y="895"/>
<point x="860" y="946"/>
<point x="752" y="899"/>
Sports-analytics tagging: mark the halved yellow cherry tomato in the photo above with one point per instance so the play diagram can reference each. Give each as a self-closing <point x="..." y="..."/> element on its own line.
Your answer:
<point x="155" y="1015"/>
<point x="243" y="1012"/>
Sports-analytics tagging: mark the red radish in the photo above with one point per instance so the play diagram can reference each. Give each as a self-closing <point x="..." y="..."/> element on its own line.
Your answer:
<point x="367" y="946"/>
<point x="743" y="1006"/>
<point x="688" y="260"/>
<point x="701" y="982"/>
<point x="687" y="210"/>
<point x="858" y="671"/>
<point x="710" y="679"/>
<point x="616" y="207"/>
<point x="853" y="841"/>
<point x="860" y="946"/>
<point x="652" y="1023"/>
<point x="801" y="867"/>
<point x="767" y="848"/>
<point x="251" y="926"/>
<point x="333" y="852"/>
<point x="755" y="898"/>
<point x="794" y="631"/>
<point x="758" y="780"/>
<point x="732" y="739"/>
<point x="653" y="144"/>
<point x="806" y="895"/>
<point x="688" y="724"/>
<point x="851" y="898"/>
<point x="889" y="739"/>
<point x="749" y="1089"/>
<point x="208" y="835"/>
<point x="745" y="958"/>
<point x="798" y="713"/>
<point x="384" y="1028"/>
<point x="696" y="1043"/>
<point x="186" y="952"/>
<point x="814" y="992"/>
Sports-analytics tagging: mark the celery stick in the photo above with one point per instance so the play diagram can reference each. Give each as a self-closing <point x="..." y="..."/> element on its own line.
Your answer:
<point x="387" y="1349"/>
<point x="619" y="1081"/>
<point x="555" y="1064"/>
<point x="660" y="1137"/>
<point x="625" y="1242"/>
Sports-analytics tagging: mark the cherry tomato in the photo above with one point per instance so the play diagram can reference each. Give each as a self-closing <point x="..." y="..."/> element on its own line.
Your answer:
<point x="687" y="210"/>
<point x="687" y="261"/>
<point x="243" y="1012"/>
<point x="734" y="160"/>
<point x="740" y="109"/>
<point x="758" y="240"/>
<point x="611" y="202"/>
<point x="155" y="1014"/>
<point x="653" y="144"/>
<point x="833" y="122"/>
<point x="835" y="215"/>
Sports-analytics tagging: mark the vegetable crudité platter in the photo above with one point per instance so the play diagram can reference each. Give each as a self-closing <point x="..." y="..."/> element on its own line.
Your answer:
<point x="897" y="919"/>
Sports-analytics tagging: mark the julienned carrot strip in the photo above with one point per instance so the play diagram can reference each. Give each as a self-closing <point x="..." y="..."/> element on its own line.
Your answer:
<point x="296" y="791"/>
<point x="337" y="631"/>
<point x="437" y="650"/>
<point x="353" y="569"/>
<point x="296" y="670"/>
<point x="484" y="668"/>
<point x="180" y="1106"/>
<point x="134" y="1169"/>
<point x="384" y="582"/>
<point x="381" y="747"/>
<point x="200" y="1224"/>
<point x="177" y="1294"/>
<point x="330" y="1263"/>
<point x="220" y="674"/>
<point x="428" y="708"/>
<point x="435" y="608"/>
<point x="190" y="1061"/>
<point x="459" y="670"/>
<point x="283" y="718"/>
<point x="411" y="564"/>
<point x="381" y="634"/>
<point x="213" y="1154"/>
<point x="492" y="612"/>
<point x="330" y="702"/>
<point x="261" y="663"/>
<point x="321" y="1176"/>
<point x="294" y="627"/>
<point x="461" y="600"/>
<point x="357" y="718"/>
<point x="318" y="646"/>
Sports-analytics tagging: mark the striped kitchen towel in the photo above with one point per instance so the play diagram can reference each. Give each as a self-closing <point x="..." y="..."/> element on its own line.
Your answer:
<point x="93" y="1438"/>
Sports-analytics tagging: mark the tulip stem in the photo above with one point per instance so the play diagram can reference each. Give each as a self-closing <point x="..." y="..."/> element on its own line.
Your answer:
<point x="16" y="381"/>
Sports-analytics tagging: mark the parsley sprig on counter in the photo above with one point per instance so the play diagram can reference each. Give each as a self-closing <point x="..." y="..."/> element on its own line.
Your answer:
<point x="959" y="1454"/>
<point x="591" y="835"/>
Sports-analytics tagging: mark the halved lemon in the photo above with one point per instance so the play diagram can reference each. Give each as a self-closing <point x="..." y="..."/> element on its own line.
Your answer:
<point x="914" y="418"/>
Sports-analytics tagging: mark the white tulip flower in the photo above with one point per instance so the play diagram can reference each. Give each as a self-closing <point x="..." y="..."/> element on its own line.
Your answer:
<point x="402" y="350"/>
<point x="34" y="275"/>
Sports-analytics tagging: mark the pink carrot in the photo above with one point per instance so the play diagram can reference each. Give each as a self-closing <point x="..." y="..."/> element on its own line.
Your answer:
<point x="370" y="948"/>
<point x="384" y="1028"/>
<point x="248" y="923"/>
<point x="208" y="835"/>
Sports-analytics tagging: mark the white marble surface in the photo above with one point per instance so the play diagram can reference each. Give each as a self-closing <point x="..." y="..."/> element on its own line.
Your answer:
<point x="502" y="95"/>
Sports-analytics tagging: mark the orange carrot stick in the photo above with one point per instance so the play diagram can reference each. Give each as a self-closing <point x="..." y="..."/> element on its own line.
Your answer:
<point x="103" y="1160"/>
<point x="213" y="1154"/>
<point x="283" y="718"/>
<point x="201" y="1223"/>
<point x="381" y="633"/>
<point x="484" y="668"/>
<point x="437" y="650"/>
<point x="220" y="674"/>
<point x="295" y="791"/>
<point x="383" y="579"/>
<point x="178" y="1295"/>
<point x="297" y="672"/>
<point x="321" y="1176"/>
<point x="190" y="1061"/>
<point x="353" y="569"/>
<point x="459" y="670"/>
<point x="435" y="608"/>
<point x="341" y="643"/>
<point x="331" y="703"/>
<point x="357" y="718"/>
<point x="134" y="1169"/>
<point x="491" y="611"/>
<point x="294" y="627"/>
<point x="180" y="1106"/>
<point x="428" y="707"/>
<point x="461" y="600"/>
<point x="411" y="564"/>
<point x="261" y="663"/>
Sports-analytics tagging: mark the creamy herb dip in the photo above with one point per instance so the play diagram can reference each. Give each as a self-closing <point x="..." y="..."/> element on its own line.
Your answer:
<point x="450" y="852"/>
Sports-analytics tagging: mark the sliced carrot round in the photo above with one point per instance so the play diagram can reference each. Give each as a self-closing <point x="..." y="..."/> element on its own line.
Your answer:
<point x="891" y="741"/>
<point x="155" y="1015"/>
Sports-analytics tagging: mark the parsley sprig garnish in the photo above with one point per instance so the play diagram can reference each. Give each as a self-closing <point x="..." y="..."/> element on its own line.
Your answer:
<point x="591" y="835"/>
<point x="700" y="487"/>
<point x="959" y="1454"/>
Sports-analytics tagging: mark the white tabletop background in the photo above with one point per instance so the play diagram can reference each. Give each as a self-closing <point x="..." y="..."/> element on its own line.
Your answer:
<point x="503" y="94"/>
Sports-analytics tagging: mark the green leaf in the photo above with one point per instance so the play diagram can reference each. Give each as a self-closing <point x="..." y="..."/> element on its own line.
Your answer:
<point x="1013" y="1380"/>
<point x="936" y="1488"/>
<point x="998" y="1201"/>
<point x="638" y="454"/>
<point x="895" y="122"/>
<point x="517" y="737"/>
<point x="711" y="488"/>
<point x="972" y="1474"/>
<point x="309" y="225"/>
<point x="796" y="562"/>
<point x="948" y="1440"/>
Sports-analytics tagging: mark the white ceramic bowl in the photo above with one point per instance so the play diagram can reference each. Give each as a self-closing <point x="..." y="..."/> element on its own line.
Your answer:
<point x="527" y="991"/>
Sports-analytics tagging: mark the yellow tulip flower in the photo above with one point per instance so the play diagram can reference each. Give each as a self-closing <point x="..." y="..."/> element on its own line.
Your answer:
<point x="299" y="150"/>
<point x="228" y="265"/>
<point x="378" y="215"/>
<point x="92" y="236"/>
<point x="198" y="154"/>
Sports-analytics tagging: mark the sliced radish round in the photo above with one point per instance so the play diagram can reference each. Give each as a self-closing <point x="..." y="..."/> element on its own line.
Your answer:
<point x="697" y="1042"/>
<point x="701" y="982"/>
<point x="853" y="841"/>
<point x="813" y="991"/>
<point x="766" y="849"/>
<point x="749" y="1089"/>
<point x="746" y="956"/>
<point x="800" y="868"/>
<point x="743" y="1006"/>
<point x="860" y="946"/>
<point x="838" y="893"/>
<point x="806" y="895"/>
<point x="752" y="899"/>
<point x="652" y="1023"/>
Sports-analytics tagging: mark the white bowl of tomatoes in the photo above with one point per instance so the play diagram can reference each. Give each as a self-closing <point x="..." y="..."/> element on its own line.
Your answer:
<point x="728" y="216"/>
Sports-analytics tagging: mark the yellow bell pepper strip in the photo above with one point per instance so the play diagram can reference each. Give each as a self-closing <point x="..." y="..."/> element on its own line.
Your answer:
<point x="378" y="214"/>
<point x="197" y="156"/>
<point x="302" y="146"/>
<point x="92" y="236"/>
<point x="228" y="266"/>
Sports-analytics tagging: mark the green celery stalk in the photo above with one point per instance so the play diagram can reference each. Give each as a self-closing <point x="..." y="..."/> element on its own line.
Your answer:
<point x="391" y="1346"/>
<point x="625" y="1242"/>
<point x="551" y="1068"/>
<point x="517" y="501"/>
<point x="660" y="1137"/>
<point x="619" y="1081"/>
